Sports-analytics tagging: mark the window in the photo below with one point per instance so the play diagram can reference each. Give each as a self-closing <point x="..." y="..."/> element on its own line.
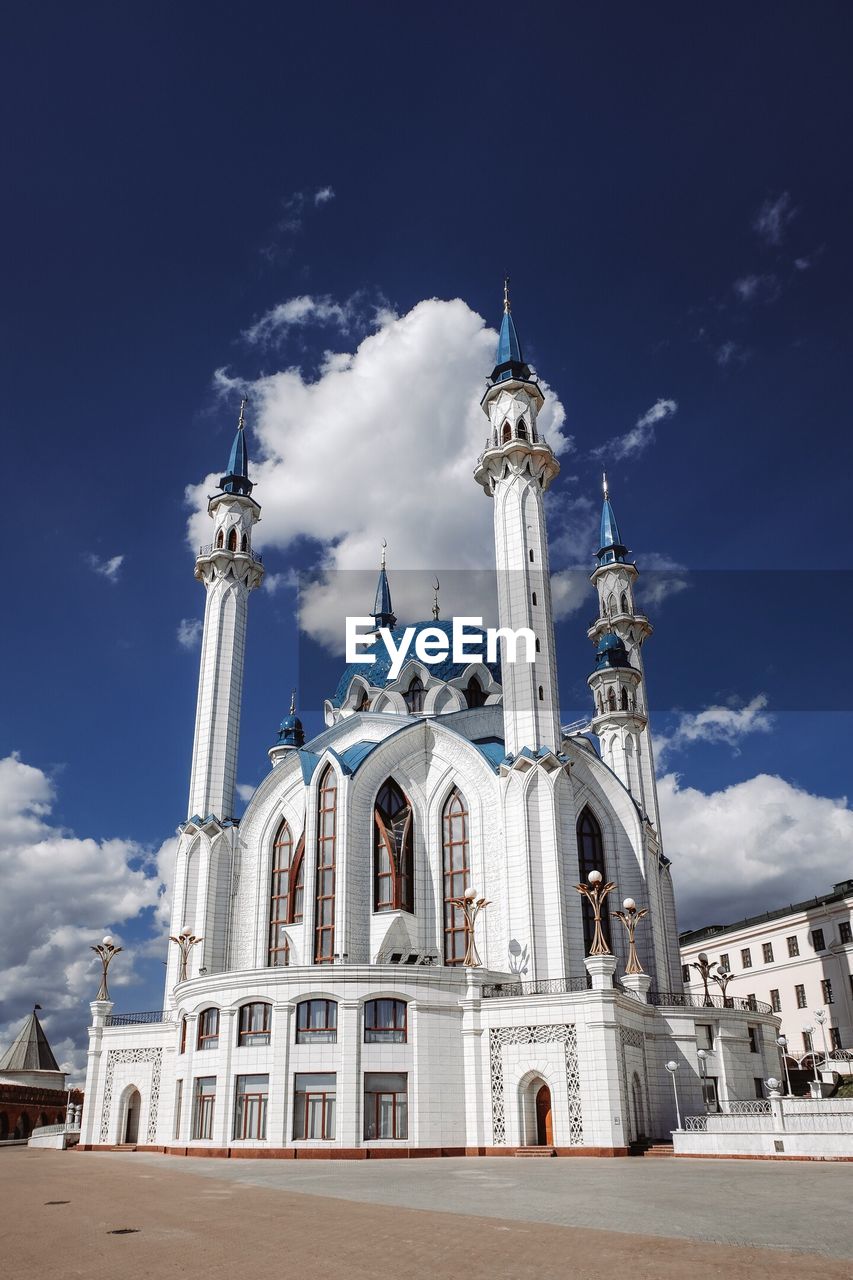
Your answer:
<point x="541" y="694"/>
<point x="834" y="1038"/>
<point x="455" y="854"/>
<point x="538" y="645"/>
<point x="751" y="1002"/>
<point x="793" y="947"/>
<point x="393" y="856"/>
<point x="685" y="973"/>
<point x="506" y="434"/>
<point x="220" y="540"/>
<point x="179" y="1097"/>
<point x="724" y="961"/>
<point x="531" y="554"/>
<point x="287" y="892"/>
<point x="385" y="1021"/>
<point x="826" y="990"/>
<point x="317" y="1022"/>
<point x="845" y="933"/>
<point x="208" y="1029"/>
<point x="250" y="1106"/>
<point x="324" y="919"/>
<point x="386" y="1110"/>
<point x="817" y="940"/>
<point x="183" y="1045"/>
<point x="591" y="858"/>
<point x="746" y="958"/>
<point x="533" y="597"/>
<point x="704" y="1035"/>
<point x="758" y="1084"/>
<point x="800" y="993"/>
<point x="767" y="952"/>
<point x="232" y="540"/>
<point x="711" y="1093"/>
<point x="521" y="429"/>
<point x="205" y="1097"/>
<point x="623" y="603"/>
<point x="314" y="1105"/>
<point x="244" y="542"/>
<point x="807" y="1041"/>
<point x="254" y="1027"/>
<point x="775" y="1002"/>
<point x="623" y="700"/>
<point x="474" y="695"/>
<point x="752" y="1032"/>
<point x="414" y="695"/>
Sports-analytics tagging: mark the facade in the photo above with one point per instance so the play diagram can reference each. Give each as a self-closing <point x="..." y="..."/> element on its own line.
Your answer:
<point x="326" y="1007"/>
<point x="32" y="1087"/>
<point x="799" y="960"/>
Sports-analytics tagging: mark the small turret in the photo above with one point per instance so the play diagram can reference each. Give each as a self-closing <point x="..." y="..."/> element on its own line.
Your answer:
<point x="237" y="478"/>
<point x="383" y="612"/>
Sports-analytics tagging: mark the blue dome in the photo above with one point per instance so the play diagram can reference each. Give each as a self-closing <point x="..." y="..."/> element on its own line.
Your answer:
<point x="611" y="652"/>
<point x="377" y="674"/>
<point x="291" y="732"/>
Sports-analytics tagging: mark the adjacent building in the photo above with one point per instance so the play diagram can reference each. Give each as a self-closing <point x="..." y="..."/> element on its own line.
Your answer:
<point x="32" y="1085"/>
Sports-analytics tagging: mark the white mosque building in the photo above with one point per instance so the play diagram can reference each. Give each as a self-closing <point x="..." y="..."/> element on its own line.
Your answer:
<point x="327" y="1007"/>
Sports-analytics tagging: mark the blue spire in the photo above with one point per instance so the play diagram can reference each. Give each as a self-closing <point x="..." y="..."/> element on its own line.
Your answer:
<point x="611" y="548"/>
<point x="237" y="479"/>
<point x="509" y="362"/>
<point x="383" y="613"/>
<point x="291" y="733"/>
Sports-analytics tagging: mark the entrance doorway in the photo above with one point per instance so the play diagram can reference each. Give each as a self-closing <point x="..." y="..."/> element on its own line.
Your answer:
<point x="544" y="1118"/>
<point x="131" y="1123"/>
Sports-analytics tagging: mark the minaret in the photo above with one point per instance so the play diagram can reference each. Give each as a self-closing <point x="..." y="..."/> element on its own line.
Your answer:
<point x="618" y="687"/>
<point x="383" y="613"/>
<point x="516" y="469"/>
<point x="229" y="570"/>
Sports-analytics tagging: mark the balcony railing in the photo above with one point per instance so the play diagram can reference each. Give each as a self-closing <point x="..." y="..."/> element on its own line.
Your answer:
<point x="685" y="1000"/>
<point x="209" y="548"/>
<point x="547" y="987"/>
<point x="139" y="1019"/>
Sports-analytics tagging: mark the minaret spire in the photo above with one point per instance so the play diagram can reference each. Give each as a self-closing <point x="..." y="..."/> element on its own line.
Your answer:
<point x="383" y="612"/>
<point x="610" y="546"/>
<point x="507" y="307"/>
<point x="435" y="609"/>
<point x="237" y="478"/>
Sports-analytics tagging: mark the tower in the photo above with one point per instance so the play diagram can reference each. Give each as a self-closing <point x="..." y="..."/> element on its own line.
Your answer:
<point x="516" y="469"/>
<point x="229" y="570"/>
<point x="617" y="683"/>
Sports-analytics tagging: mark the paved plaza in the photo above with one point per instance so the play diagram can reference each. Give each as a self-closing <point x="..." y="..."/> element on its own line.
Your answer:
<point x="74" y="1214"/>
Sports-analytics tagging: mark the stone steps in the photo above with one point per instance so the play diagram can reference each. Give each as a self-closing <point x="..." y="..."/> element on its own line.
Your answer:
<point x="536" y="1151"/>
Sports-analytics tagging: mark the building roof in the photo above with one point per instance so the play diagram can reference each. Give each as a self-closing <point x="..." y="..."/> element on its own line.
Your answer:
<point x="30" y="1050"/>
<point x="840" y="891"/>
<point x="237" y="478"/>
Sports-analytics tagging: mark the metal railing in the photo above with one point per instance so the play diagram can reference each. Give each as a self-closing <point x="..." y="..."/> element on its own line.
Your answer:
<point x="696" y="1124"/>
<point x="139" y="1019"/>
<point x="746" y="1107"/>
<point x="685" y="1000"/>
<point x="209" y="548"/>
<point x="547" y="987"/>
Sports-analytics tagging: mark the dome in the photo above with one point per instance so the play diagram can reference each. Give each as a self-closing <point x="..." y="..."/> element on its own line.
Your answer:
<point x="290" y="732"/>
<point x="377" y="676"/>
<point x="611" y="652"/>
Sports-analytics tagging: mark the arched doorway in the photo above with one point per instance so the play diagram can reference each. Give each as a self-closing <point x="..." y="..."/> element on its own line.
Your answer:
<point x="637" y="1112"/>
<point x="4" y="1126"/>
<point x="24" y="1127"/>
<point x="131" y="1121"/>
<point x="544" y="1118"/>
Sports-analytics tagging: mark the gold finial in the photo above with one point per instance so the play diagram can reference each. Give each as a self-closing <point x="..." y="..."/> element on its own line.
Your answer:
<point x="382" y="561"/>
<point x="241" y="420"/>
<point x="435" y="609"/>
<point x="293" y="702"/>
<point x="604" y="487"/>
<point x="506" y="296"/>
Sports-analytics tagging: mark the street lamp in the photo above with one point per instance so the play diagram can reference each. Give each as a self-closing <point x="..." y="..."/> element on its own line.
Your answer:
<point x="722" y="978"/>
<point x="702" y="965"/>
<point x="820" y="1019"/>
<point x="105" y="950"/>
<point x="773" y="1086"/>
<point x="186" y="940"/>
<point x="672" y="1067"/>
<point x="809" y="1031"/>
<point x="631" y="917"/>
<point x="782" y="1042"/>
<point x="702" y="1054"/>
<point x="595" y="893"/>
<point x="470" y="906"/>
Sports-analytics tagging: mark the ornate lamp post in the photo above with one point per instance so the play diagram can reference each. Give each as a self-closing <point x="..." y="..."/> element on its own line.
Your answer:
<point x="782" y="1042"/>
<point x="470" y="906"/>
<point x="595" y="894"/>
<point x="820" y="1019"/>
<point x="722" y="978"/>
<point x="631" y="917"/>
<point x="105" y="949"/>
<point x="672" y="1067"/>
<point x="702" y="965"/>
<point x="186" y="940"/>
<point x="702" y="1054"/>
<point x="809" y="1031"/>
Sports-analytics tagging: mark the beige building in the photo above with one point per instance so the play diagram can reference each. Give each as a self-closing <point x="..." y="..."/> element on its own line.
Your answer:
<point x="798" y="959"/>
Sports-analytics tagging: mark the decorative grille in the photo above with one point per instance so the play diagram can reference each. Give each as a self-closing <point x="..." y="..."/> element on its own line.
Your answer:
<point x="155" y="1057"/>
<point x="564" y="1033"/>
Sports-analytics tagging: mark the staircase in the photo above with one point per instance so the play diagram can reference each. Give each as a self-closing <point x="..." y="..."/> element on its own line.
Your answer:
<point x="125" y="1146"/>
<point x="536" y="1151"/>
<point x="657" y="1149"/>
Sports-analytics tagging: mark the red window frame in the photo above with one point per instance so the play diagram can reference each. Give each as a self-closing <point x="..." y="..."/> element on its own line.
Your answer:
<point x="324" y="897"/>
<point x="242" y="1098"/>
<point x="591" y="858"/>
<point x="250" y="1036"/>
<point x="203" y="1108"/>
<point x="329" y="1027"/>
<point x="393" y="850"/>
<point x="393" y="1031"/>
<point x="455" y="850"/>
<point x="287" y="890"/>
<point x="373" y="1101"/>
<point x="183" y="1045"/>
<point x="208" y="1039"/>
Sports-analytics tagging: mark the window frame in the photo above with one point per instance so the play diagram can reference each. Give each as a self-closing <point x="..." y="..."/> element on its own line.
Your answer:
<point x="845" y="932"/>
<point x="393" y="858"/>
<point x="767" y="952"/>
<point x="327" y="1033"/>
<point x="826" y="990"/>
<point x="454" y="876"/>
<point x="327" y="838"/>
<point x="818" y="939"/>
<point x="250" y="1105"/>
<point x="207" y="1040"/>
<point x="247" y="1037"/>
<point x="397" y="1031"/>
<point x="800" y="995"/>
<point x="793" y="946"/>
<point x="746" y="957"/>
<point x="204" y="1109"/>
<point x="286" y="908"/>
<point x="373" y="1109"/>
<point x="591" y="857"/>
<point x="775" y="1000"/>
<point x="328" y="1096"/>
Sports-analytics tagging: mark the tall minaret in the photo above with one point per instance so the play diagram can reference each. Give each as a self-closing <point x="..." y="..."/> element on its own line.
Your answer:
<point x="229" y="570"/>
<point x="621" y="718"/>
<point x="516" y="469"/>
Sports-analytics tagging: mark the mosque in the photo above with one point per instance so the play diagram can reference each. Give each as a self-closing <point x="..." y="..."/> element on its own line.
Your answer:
<point x="387" y="954"/>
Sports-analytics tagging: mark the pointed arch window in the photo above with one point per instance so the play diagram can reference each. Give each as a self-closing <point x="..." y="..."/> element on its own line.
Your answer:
<point x="324" y="908"/>
<point x="414" y="695"/>
<point x="220" y="539"/>
<point x="455" y="843"/>
<point x="624" y="700"/>
<point x="623" y="604"/>
<point x="244" y="542"/>
<point x="232" y="540"/>
<point x="507" y="433"/>
<point x="591" y="858"/>
<point x="611" y="699"/>
<point x="474" y="695"/>
<point x="363" y="703"/>
<point x="393" y="850"/>
<point x="521" y="429"/>
<point x="287" y="893"/>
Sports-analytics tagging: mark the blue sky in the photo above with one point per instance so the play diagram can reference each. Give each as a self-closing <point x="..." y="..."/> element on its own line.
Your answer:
<point x="668" y="188"/>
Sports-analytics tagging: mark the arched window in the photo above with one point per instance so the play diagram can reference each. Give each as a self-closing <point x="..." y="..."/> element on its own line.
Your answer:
<point x="385" y="1022"/>
<point x="455" y="850"/>
<point x="254" y="1025"/>
<point x="591" y="858"/>
<point x="507" y="433"/>
<point x="220" y="539"/>
<point x="624" y="700"/>
<point x="317" y="1021"/>
<point x="538" y="645"/>
<point x="623" y="604"/>
<point x="393" y="857"/>
<point x="474" y="695"/>
<point x="534" y="597"/>
<point x="363" y="703"/>
<point x="286" y="893"/>
<point x="232" y="540"/>
<point x="183" y="1044"/>
<point x="541" y="694"/>
<point x="531" y="553"/>
<point x="244" y="542"/>
<point x="414" y="695"/>
<point x="521" y="430"/>
<point x="324" y="912"/>
<point x="611" y="699"/>
<point x="208" y="1029"/>
<point x="611" y="605"/>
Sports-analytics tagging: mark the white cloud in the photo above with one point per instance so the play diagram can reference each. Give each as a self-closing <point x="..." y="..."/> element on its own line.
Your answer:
<point x="61" y="892"/>
<point x="299" y="311"/>
<point x="730" y="353"/>
<point x="108" y="569"/>
<point x="393" y="431"/>
<point x="662" y="577"/>
<point x="718" y="724"/>
<point x="640" y="436"/>
<point x="324" y="195"/>
<point x="773" y="217"/>
<point x="189" y="632"/>
<point x="245" y="791"/>
<point x="752" y="846"/>
<point x="755" y="288"/>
